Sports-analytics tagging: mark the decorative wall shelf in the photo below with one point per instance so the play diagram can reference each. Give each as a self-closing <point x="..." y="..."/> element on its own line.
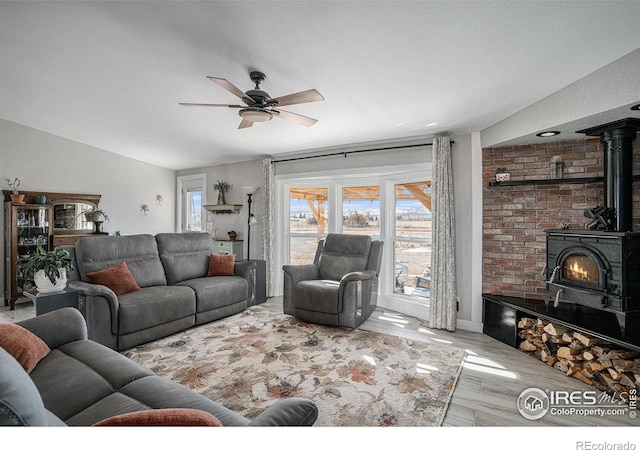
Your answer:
<point x="223" y="209"/>
<point x="552" y="181"/>
<point x="546" y="181"/>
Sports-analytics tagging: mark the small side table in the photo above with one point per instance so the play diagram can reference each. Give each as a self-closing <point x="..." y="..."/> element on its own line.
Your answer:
<point x="54" y="300"/>
<point x="260" y="295"/>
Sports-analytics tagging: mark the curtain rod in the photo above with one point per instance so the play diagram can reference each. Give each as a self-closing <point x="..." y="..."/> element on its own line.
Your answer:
<point x="345" y="153"/>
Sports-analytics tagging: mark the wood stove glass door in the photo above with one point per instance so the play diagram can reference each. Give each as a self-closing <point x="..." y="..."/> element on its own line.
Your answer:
<point x="581" y="268"/>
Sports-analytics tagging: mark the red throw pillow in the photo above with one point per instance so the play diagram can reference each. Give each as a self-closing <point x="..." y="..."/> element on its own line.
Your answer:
<point x="221" y="265"/>
<point x="117" y="278"/>
<point x="27" y="348"/>
<point x="169" y="417"/>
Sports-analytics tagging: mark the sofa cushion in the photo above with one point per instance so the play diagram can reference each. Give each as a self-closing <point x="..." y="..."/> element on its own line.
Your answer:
<point x="153" y="306"/>
<point x="221" y="265"/>
<point x="117" y="278"/>
<point x="169" y="417"/>
<point x="139" y="251"/>
<point x="343" y="253"/>
<point x="217" y="292"/>
<point x="27" y="348"/>
<point x="184" y="255"/>
<point x="77" y="375"/>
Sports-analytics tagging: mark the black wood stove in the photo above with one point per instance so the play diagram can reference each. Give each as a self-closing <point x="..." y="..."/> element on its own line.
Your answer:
<point x="600" y="267"/>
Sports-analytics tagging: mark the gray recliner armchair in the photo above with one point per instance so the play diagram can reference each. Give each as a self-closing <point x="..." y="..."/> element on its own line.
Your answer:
<point x="340" y="288"/>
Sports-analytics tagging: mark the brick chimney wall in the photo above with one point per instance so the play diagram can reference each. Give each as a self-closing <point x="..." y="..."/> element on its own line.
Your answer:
<point x="515" y="217"/>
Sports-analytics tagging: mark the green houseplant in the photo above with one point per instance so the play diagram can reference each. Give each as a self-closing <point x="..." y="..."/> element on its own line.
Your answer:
<point x="93" y="215"/>
<point x="222" y="187"/>
<point x="16" y="196"/>
<point x="48" y="268"/>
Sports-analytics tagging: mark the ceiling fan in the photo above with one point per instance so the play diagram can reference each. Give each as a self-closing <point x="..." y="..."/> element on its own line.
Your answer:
<point x="260" y="107"/>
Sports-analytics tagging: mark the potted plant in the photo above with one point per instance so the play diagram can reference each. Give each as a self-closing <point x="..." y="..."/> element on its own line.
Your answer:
<point x="48" y="269"/>
<point x="232" y="235"/>
<point x="16" y="196"/>
<point x="93" y="215"/>
<point x="222" y="187"/>
<point x="502" y="174"/>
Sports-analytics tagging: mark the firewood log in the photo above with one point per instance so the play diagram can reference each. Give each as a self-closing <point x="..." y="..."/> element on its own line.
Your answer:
<point x="555" y="329"/>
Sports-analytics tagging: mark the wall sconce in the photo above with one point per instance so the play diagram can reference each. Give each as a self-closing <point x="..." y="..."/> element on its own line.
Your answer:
<point x="144" y="209"/>
<point x="159" y="199"/>
<point x="251" y="219"/>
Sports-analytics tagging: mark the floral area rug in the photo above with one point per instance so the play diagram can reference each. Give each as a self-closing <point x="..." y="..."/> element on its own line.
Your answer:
<point x="357" y="378"/>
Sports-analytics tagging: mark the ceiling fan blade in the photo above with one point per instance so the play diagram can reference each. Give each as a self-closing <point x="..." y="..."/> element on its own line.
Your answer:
<point x="210" y="104"/>
<point x="300" y="97"/>
<point x="295" y="118"/>
<point x="233" y="89"/>
<point x="245" y="124"/>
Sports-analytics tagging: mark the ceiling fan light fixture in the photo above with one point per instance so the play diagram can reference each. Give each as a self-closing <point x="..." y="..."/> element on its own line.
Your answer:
<point x="255" y="114"/>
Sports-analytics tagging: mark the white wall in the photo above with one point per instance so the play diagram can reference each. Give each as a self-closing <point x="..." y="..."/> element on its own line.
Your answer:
<point x="238" y="174"/>
<point x="45" y="162"/>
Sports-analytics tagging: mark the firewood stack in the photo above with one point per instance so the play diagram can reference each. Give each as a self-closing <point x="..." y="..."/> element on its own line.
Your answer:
<point x="591" y="360"/>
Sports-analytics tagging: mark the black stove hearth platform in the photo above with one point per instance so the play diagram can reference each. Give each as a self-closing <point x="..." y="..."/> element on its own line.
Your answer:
<point x="501" y="315"/>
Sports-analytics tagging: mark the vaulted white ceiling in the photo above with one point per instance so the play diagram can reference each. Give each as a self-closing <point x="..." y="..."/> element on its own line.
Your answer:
<point x="111" y="74"/>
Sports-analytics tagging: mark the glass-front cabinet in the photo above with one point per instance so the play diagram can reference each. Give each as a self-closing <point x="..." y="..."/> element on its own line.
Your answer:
<point x="26" y="227"/>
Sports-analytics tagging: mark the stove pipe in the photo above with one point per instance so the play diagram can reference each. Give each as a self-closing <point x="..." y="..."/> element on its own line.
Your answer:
<point x="617" y="138"/>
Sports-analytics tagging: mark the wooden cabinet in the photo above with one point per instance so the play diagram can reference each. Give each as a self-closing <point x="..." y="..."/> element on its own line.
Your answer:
<point x="57" y="221"/>
<point x="26" y="227"/>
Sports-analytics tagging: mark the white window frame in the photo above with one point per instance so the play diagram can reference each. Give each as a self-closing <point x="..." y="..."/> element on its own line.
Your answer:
<point x="179" y="196"/>
<point x="335" y="181"/>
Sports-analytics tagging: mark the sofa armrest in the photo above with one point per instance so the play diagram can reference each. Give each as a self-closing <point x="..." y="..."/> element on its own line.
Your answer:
<point x="101" y="307"/>
<point x="57" y="327"/>
<point x="247" y="270"/>
<point x="287" y="412"/>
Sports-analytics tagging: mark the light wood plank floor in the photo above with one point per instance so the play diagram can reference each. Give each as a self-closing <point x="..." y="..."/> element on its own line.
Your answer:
<point x="492" y="378"/>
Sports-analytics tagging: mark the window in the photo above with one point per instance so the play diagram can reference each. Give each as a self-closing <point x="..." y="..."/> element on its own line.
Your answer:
<point x="412" y="239"/>
<point x="191" y="195"/>
<point x="361" y="210"/>
<point x="308" y="220"/>
<point x="393" y="207"/>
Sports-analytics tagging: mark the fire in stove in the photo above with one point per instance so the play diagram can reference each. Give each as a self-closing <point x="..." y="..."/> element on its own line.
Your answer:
<point x="581" y="268"/>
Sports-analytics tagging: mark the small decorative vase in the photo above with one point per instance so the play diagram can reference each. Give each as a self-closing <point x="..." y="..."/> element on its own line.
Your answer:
<point x="232" y="235"/>
<point x="221" y="199"/>
<point x="97" y="226"/>
<point x="17" y="198"/>
<point x="44" y="284"/>
<point x="40" y="200"/>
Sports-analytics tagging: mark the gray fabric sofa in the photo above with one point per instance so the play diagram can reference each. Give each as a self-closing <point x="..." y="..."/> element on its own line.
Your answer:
<point x="176" y="294"/>
<point x="81" y="382"/>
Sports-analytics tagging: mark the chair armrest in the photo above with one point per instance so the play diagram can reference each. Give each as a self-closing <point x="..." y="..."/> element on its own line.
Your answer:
<point x="302" y="272"/>
<point x="358" y="276"/>
<point x="287" y="412"/>
<point x="96" y="292"/>
<point x="293" y="274"/>
<point x="57" y="327"/>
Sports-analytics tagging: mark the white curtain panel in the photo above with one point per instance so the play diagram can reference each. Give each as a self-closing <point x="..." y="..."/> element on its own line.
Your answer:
<point x="268" y="213"/>
<point x="442" y="312"/>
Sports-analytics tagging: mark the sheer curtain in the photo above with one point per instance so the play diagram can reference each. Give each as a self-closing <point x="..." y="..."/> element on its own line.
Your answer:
<point x="268" y="214"/>
<point x="442" y="312"/>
